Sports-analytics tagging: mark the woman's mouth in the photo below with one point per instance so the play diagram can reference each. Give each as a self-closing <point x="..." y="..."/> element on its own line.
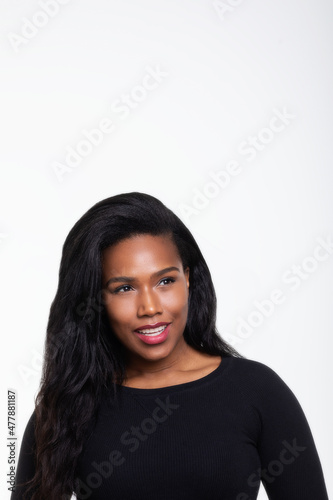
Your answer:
<point x="153" y="335"/>
<point x="153" y="331"/>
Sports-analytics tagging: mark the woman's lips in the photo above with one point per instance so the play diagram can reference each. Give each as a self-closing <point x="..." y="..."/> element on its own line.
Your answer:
<point x="155" y="325"/>
<point x="154" y="337"/>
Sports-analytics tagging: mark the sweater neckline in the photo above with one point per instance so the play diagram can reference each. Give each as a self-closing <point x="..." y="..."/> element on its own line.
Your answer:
<point x="180" y="387"/>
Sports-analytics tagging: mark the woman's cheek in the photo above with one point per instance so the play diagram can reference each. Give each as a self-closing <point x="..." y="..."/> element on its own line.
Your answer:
<point x="177" y="303"/>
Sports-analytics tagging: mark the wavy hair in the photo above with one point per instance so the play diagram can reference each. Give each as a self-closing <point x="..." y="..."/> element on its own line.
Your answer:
<point x="82" y="356"/>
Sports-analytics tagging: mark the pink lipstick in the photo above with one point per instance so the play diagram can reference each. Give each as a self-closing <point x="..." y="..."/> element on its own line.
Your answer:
<point x="158" y="334"/>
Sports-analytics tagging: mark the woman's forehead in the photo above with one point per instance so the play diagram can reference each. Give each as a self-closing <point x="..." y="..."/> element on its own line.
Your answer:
<point x="141" y="250"/>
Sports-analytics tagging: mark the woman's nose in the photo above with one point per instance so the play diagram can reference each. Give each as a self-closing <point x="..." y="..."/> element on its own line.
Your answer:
<point x="149" y="303"/>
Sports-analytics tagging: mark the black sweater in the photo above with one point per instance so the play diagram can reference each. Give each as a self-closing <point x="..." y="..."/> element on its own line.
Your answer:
<point x="213" y="438"/>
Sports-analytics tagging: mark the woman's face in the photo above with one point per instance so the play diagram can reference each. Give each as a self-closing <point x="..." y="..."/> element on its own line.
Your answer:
<point x="145" y="288"/>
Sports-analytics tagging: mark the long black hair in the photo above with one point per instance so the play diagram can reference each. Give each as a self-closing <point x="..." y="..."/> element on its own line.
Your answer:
<point x="82" y="356"/>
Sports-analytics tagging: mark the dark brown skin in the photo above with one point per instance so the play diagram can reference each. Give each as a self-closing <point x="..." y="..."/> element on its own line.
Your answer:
<point x="151" y="299"/>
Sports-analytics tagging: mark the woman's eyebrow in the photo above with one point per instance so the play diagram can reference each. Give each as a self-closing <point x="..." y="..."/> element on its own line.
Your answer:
<point x="127" y="279"/>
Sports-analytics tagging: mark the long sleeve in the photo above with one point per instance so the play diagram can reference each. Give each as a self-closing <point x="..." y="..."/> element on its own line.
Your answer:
<point x="221" y="436"/>
<point x="214" y="438"/>
<point x="290" y="466"/>
<point x="26" y="463"/>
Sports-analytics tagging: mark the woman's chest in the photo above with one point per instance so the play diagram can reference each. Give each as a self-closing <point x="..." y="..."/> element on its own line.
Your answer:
<point x="168" y="448"/>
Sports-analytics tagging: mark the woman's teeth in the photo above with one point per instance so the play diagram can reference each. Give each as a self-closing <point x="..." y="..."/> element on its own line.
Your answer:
<point x="153" y="332"/>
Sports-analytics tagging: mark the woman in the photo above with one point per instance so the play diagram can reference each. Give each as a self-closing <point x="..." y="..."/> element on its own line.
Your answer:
<point x="140" y="397"/>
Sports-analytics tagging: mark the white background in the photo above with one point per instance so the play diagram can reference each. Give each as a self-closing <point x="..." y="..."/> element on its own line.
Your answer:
<point x="224" y="74"/>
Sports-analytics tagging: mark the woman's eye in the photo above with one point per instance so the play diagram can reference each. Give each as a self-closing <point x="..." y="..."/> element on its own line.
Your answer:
<point x="121" y="289"/>
<point x="126" y="288"/>
<point x="167" y="280"/>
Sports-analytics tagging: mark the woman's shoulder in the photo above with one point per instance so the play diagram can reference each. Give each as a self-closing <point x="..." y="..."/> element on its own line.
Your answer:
<point x="246" y="366"/>
<point x="250" y="365"/>
<point x="260" y="387"/>
<point x="255" y="377"/>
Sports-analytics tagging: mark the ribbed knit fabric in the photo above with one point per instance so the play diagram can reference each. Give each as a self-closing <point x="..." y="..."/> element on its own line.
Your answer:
<point x="214" y="438"/>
